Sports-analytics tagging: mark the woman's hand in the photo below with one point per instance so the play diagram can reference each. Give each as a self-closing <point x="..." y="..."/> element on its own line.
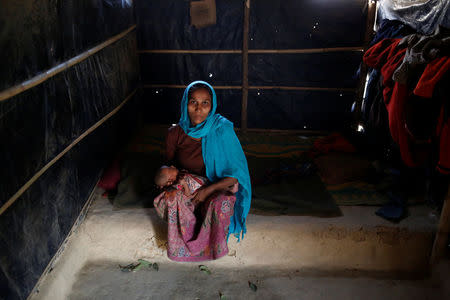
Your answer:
<point x="226" y="184"/>
<point x="201" y="195"/>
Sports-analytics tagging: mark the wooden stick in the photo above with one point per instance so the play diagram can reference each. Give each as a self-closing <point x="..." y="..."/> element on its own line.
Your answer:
<point x="286" y="131"/>
<point x="181" y="51"/>
<point x="301" y="88"/>
<point x="262" y="87"/>
<point x="36" y="80"/>
<point x="442" y="234"/>
<point x="363" y="71"/>
<point x="252" y="51"/>
<point x="61" y="154"/>
<point x="245" y="34"/>
<point x="177" y="86"/>
<point x="304" y="51"/>
<point x="261" y="130"/>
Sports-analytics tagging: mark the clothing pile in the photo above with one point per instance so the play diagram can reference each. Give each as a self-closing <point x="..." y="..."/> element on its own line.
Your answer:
<point x="414" y="86"/>
<point x="406" y="104"/>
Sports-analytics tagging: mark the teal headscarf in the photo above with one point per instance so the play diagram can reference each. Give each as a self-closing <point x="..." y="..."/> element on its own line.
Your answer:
<point x="223" y="156"/>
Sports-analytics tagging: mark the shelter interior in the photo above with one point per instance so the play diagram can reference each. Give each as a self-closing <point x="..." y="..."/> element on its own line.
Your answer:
<point x="346" y="134"/>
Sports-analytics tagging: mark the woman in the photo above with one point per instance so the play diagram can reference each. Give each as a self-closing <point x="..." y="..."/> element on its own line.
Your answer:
<point x="204" y="143"/>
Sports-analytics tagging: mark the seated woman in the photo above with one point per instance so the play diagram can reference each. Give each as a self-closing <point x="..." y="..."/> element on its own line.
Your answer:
<point x="204" y="143"/>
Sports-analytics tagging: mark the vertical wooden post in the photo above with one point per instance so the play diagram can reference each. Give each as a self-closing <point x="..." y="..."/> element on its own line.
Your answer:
<point x="442" y="233"/>
<point x="245" y="65"/>
<point x="372" y="7"/>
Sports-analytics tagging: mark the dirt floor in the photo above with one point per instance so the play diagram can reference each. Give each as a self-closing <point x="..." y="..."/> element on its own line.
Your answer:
<point x="186" y="281"/>
<point x="285" y="257"/>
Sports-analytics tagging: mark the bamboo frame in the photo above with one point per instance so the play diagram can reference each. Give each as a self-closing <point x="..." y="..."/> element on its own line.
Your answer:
<point x="244" y="102"/>
<point x="300" y="88"/>
<point x="184" y="51"/>
<point x="251" y="51"/>
<point x="180" y="86"/>
<point x="363" y="72"/>
<point x="442" y="233"/>
<point x="304" y="51"/>
<point x="262" y="87"/>
<point x="62" y="153"/>
<point x="286" y="131"/>
<point x="36" y="80"/>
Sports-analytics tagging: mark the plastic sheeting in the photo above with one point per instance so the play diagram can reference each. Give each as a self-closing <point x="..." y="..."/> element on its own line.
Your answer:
<point x="317" y="110"/>
<point x="217" y="69"/>
<point x="274" y="25"/>
<point x="422" y="15"/>
<point x="35" y="226"/>
<point x="36" y="35"/>
<point x="162" y="105"/>
<point x="318" y="70"/>
<point x="165" y="24"/>
<point x="42" y="121"/>
<point x="59" y="110"/>
<point x="291" y="24"/>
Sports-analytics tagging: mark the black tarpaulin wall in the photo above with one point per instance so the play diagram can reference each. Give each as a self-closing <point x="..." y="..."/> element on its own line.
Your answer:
<point x="326" y="75"/>
<point x="38" y="124"/>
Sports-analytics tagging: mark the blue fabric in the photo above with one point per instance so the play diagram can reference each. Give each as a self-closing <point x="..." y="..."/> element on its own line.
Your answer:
<point x="223" y="156"/>
<point x="394" y="210"/>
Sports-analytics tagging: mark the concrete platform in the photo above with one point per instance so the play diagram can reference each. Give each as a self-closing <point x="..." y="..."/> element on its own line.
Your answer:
<point x="356" y="250"/>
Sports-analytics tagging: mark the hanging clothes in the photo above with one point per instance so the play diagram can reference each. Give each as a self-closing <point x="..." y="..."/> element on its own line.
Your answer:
<point x="398" y="97"/>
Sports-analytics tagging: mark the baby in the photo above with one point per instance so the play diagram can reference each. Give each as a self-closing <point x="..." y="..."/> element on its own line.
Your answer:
<point x="188" y="183"/>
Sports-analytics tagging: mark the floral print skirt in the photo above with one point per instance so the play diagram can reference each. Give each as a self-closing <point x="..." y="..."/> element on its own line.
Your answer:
<point x="195" y="232"/>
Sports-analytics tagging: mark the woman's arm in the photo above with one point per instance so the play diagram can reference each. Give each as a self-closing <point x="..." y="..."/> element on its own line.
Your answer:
<point x="225" y="184"/>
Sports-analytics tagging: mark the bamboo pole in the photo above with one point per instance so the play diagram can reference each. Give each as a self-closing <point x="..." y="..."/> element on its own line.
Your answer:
<point x="61" y="154"/>
<point x="36" y="80"/>
<point x="252" y="51"/>
<point x="245" y="34"/>
<point x="443" y="232"/>
<point x="262" y="87"/>
<point x="286" y="131"/>
<point x="300" y="88"/>
<point x="181" y="51"/>
<point x="363" y="71"/>
<point x="304" y="51"/>
<point x="180" y="86"/>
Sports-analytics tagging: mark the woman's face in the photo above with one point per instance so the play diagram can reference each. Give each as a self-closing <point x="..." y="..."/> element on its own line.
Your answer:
<point x="199" y="106"/>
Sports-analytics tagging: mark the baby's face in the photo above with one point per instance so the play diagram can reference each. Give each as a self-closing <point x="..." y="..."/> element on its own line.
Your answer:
<point x="170" y="174"/>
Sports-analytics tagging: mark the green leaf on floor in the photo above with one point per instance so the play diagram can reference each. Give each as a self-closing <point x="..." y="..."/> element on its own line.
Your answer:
<point x="144" y="262"/>
<point x="138" y="267"/>
<point x="155" y="266"/>
<point x="204" y="269"/>
<point x="252" y="286"/>
<point x="128" y="268"/>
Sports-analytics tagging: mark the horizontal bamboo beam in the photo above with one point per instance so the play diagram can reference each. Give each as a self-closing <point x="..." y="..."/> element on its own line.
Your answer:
<point x="262" y="87"/>
<point x="180" y="86"/>
<point x="262" y="130"/>
<point x="251" y="51"/>
<point x="300" y="88"/>
<point x="286" y="131"/>
<point x="61" y="154"/>
<point x="173" y="51"/>
<point x="304" y="51"/>
<point x="38" y="79"/>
